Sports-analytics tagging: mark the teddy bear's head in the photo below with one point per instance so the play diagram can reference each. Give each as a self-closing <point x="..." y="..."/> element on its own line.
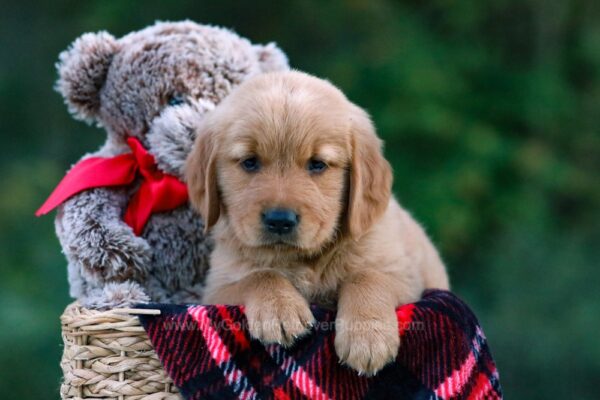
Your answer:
<point x="153" y="83"/>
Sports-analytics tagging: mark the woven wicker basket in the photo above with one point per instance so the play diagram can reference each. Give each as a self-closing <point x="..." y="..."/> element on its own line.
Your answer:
<point x="107" y="355"/>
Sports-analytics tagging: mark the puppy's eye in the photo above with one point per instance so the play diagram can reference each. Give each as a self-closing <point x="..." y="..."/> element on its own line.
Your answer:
<point x="175" y="99"/>
<point x="316" y="166"/>
<point x="250" y="164"/>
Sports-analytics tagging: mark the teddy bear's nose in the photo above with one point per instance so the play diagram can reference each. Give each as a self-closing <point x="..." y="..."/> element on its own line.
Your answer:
<point x="280" y="221"/>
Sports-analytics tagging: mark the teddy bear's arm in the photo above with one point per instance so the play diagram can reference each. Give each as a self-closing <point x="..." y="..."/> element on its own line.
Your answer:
<point x="92" y="232"/>
<point x="94" y="235"/>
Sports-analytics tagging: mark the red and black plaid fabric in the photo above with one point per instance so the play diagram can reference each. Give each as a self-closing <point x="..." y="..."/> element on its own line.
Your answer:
<point x="209" y="355"/>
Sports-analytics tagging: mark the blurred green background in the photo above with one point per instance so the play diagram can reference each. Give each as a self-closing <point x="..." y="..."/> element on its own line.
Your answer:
<point x="491" y="115"/>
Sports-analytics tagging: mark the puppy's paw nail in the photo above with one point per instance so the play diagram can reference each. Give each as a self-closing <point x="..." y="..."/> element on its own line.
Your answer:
<point x="367" y="351"/>
<point x="281" y="323"/>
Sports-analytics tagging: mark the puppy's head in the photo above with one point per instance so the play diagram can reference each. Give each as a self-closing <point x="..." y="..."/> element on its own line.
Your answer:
<point x="289" y="163"/>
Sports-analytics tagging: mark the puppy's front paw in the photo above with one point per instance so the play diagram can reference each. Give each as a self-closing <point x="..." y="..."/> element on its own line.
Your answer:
<point x="279" y="319"/>
<point x="367" y="345"/>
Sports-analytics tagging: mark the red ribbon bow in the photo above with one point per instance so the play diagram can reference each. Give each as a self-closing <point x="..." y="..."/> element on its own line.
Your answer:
<point x="158" y="191"/>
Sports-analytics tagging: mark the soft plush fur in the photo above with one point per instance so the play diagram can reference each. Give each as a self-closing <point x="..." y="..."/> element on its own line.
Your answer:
<point x="355" y="247"/>
<point x="154" y="84"/>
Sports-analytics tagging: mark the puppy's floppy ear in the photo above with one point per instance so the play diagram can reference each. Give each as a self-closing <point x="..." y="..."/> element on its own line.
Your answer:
<point x="370" y="176"/>
<point x="82" y="70"/>
<point x="201" y="176"/>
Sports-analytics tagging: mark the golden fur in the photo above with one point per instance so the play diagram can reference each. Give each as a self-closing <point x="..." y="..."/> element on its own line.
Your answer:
<point x="355" y="246"/>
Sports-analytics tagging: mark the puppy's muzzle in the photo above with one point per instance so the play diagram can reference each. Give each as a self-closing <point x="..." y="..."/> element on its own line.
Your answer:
<point x="280" y="221"/>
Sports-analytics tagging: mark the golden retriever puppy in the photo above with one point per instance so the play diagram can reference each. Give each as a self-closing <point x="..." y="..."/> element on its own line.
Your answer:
<point x="290" y="176"/>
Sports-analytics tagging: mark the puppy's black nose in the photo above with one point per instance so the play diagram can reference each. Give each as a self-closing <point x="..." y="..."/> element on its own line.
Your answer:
<point x="279" y="220"/>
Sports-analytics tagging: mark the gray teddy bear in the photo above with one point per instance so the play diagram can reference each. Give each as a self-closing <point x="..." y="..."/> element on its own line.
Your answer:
<point x="153" y="85"/>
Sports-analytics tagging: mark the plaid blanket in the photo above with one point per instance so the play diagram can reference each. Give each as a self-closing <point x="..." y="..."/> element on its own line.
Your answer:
<point x="209" y="355"/>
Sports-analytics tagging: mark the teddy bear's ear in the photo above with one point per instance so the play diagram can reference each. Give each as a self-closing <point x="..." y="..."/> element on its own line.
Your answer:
<point x="82" y="70"/>
<point x="271" y="58"/>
